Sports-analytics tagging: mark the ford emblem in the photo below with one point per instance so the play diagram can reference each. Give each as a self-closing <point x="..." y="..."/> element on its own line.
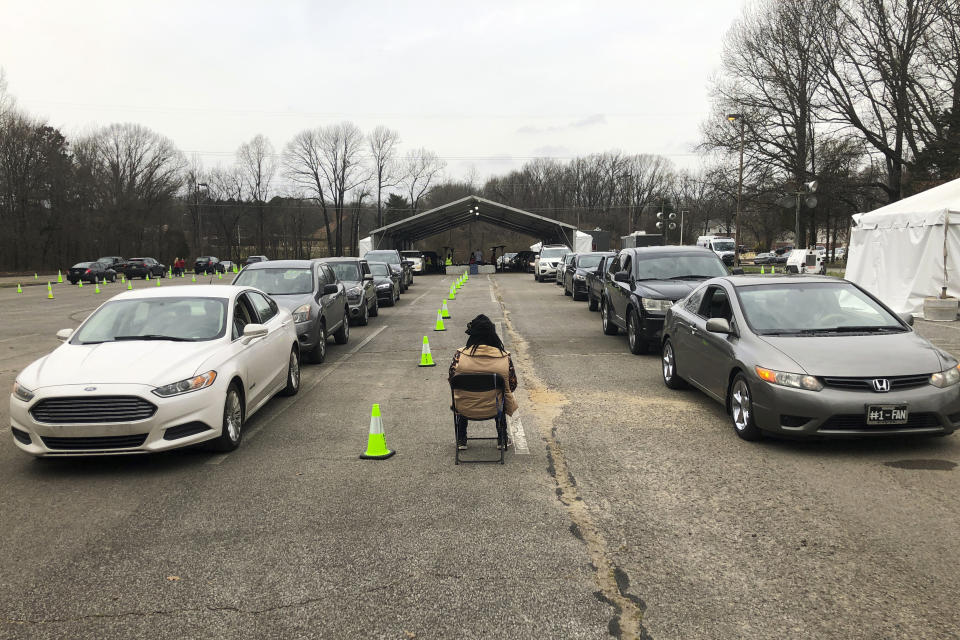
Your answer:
<point x="89" y="388"/>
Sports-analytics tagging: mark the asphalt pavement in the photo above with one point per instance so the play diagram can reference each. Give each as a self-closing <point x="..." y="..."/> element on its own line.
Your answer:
<point x="632" y="511"/>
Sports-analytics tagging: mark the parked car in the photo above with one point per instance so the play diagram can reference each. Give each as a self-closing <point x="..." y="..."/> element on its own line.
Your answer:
<point x="595" y="277"/>
<point x="157" y="369"/>
<point x="645" y="282"/>
<point x="575" y="276"/>
<point x="814" y="356"/>
<point x="545" y="266"/>
<point x="765" y="258"/>
<point x="355" y="275"/>
<point x="208" y="265"/>
<point x="253" y="259"/>
<point x="91" y="272"/>
<point x="385" y="283"/>
<point x="227" y="265"/>
<point x="142" y="267"/>
<point x="416" y="257"/>
<point x="505" y="261"/>
<point x="563" y="267"/>
<point x="114" y="262"/>
<point x="397" y="264"/>
<point x="312" y="294"/>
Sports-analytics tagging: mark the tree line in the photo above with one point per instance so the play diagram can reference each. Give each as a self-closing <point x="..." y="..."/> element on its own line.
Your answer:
<point x="862" y="96"/>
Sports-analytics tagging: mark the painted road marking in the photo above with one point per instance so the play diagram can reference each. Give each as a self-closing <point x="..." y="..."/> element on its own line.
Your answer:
<point x="518" y="435"/>
<point x="273" y="415"/>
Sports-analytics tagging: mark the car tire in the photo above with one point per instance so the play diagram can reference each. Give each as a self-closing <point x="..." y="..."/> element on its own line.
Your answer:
<point x="342" y="336"/>
<point x="566" y="291"/>
<point x="740" y="400"/>
<point x="669" y="367"/>
<point x="319" y="352"/>
<point x="591" y="302"/>
<point x="638" y="344"/>
<point x="375" y="311"/>
<point x="231" y="428"/>
<point x="293" y="374"/>
<point x="364" y="318"/>
<point x="536" y="278"/>
<point x="609" y="328"/>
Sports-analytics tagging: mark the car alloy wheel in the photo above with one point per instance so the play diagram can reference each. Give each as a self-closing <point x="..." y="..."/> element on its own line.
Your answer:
<point x="669" y="368"/>
<point x="293" y="374"/>
<point x="231" y="431"/>
<point x="319" y="353"/>
<point x="637" y="344"/>
<point x="741" y="409"/>
<point x="608" y="327"/>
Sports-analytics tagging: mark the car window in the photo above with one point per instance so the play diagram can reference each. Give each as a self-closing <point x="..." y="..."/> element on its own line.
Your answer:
<point x="692" y="303"/>
<point x="627" y="260"/>
<point x="321" y="277"/>
<point x="716" y="304"/>
<point x="265" y="310"/>
<point x="364" y="267"/>
<point x="614" y="265"/>
<point x="243" y="315"/>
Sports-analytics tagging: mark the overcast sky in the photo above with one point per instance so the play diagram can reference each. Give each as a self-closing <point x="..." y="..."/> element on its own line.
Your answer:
<point x="484" y="84"/>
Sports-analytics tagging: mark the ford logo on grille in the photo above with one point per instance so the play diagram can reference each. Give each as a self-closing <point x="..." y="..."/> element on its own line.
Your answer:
<point x="89" y="388"/>
<point x="881" y="385"/>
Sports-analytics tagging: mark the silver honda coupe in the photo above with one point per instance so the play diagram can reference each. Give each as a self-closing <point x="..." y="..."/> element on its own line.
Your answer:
<point x="811" y="356"/>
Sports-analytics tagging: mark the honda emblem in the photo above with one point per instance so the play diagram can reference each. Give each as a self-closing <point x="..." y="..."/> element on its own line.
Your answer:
<point x="881" y="385"/>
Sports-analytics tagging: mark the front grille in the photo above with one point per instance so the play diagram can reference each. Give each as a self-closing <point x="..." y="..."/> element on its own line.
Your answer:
<point x="103" y="442"/>
<point x="95" y="409"/>
<point x="793" y="421"/>
<point x="184" y="430"/>
<point x="859" y="421"/>
<point x="22" y="436"/>
<point x="897" y="383"/>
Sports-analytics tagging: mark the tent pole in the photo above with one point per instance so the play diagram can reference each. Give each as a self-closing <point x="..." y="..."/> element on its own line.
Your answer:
<point x="946" y="233"/>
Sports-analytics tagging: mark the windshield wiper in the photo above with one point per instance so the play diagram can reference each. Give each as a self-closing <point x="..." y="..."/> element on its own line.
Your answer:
<point x="153" y="336"/>
<point x="865" y="329"/>
<point x="690" y="276"/>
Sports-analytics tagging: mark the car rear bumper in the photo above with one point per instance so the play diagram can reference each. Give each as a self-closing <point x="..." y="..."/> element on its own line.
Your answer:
<point x="198" y="415"/>
<point x="842" y="413"/>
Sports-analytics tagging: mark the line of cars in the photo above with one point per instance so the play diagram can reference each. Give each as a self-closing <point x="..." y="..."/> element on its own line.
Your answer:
<point x="793" y="355"/>
<point x="217" y="355"/>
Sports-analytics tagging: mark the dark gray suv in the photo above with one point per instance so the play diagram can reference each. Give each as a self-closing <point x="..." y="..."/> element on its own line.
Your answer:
<point x="397" y="264"/>
<point x="312" y="293"/>
<point x="355" y="275"/>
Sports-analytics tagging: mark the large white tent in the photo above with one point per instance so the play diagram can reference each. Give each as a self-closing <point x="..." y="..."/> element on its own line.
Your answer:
<point x="908" y="250"/>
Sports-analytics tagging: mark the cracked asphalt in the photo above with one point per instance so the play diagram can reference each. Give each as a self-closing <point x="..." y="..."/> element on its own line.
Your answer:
<point x="636" y="513"/>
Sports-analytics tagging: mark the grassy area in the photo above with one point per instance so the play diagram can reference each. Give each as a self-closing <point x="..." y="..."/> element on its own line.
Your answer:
<point x="836" y="270"/>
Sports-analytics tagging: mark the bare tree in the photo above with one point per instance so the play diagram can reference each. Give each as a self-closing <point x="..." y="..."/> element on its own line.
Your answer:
<point x="257" y="162"/>
<point x="876" y="82"/>
<point x="420" y="169"/>
<point x="226" y="190"/>
<point x="383" y="147"/>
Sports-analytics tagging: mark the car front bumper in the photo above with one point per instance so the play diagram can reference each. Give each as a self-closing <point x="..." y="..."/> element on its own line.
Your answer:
<point x="546" y="271"/>
<point x="202" y="408"/>
<point x="356" y="308"/>
<point x="841" y="413"/>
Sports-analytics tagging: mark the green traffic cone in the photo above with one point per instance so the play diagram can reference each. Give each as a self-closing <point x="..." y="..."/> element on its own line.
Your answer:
<point x="444" y="312"/>
<point x="158" y="282"/>
<point x="129" y="285"/>
<point x="193" y="277"/>
<point x="376" y="440"/>
<point x="453" y="293"/>
<point x="97" y="290"/>
<point x="80" y="283"/>
<point x="36" y="277"/>
<point x="19" y="290"/>
<point x="59" y="277"/>
<point x="439" y="326"/>
<point x="426" y="358"/>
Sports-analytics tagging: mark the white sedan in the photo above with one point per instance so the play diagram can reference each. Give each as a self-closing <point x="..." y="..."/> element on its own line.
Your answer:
<point x="158" y="369"/>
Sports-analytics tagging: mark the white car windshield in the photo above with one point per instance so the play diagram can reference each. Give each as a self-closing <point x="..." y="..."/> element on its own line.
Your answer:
<point x="278" y="281"/>
<point x="723" y="245"/>
<point x="176" y="319"/>
<point x="554" y="252"/>
<point x="346" y="271"/>
<point x="390" y="257"/>
<point x="784" y="309"/>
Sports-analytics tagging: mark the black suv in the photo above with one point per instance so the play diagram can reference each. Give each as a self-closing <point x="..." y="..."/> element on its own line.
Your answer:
<point x="575" y="274"/>
<point x="644" y="282"/>
<point x="208" y="264"/>
<point x="355" y="275"/>
<point x="142" y="267"/>
<point x="596" y="280"/>
<point x="397" y="264"/>
<point x="117" y="263"/>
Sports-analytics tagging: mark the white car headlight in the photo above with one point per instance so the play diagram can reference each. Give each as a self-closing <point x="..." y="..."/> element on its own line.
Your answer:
<point x="946" y="378"/>
<point x="385" y="285"/>
<point x="301" y="313"/>
<point x="795" y="380"/>
<point x="354" y="292"/>
<point x="21" y="392"/>
<point x="577" y="276"/>
<point x="196" y="383"/>
<point x="656" y="304"/>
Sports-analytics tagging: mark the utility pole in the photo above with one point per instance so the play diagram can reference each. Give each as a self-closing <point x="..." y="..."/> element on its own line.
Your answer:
<point x="737" y="117"/>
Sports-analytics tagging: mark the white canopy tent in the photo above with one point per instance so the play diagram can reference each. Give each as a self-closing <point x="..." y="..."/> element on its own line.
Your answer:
<point x="908" y="250"/>
<point x="583" y="243"/>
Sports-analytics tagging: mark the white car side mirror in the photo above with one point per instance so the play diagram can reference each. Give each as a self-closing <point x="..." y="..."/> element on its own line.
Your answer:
<point x="253" y="331"/>
<point x="64" y="334"/>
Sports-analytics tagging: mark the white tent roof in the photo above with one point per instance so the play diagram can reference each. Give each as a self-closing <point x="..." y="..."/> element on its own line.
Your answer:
<point x="923" y="209"/>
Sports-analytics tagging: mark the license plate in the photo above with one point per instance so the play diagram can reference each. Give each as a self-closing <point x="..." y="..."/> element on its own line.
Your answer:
<point x="887" y="414"/>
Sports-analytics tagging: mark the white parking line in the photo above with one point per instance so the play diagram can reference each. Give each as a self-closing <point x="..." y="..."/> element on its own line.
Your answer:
<point x="493" y="298"/>
<point x="327" y="370"/>
<point x="518" y="435"/>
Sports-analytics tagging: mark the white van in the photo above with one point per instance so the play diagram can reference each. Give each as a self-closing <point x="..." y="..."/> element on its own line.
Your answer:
<point x="806" y="261"/>
<point x="725" y="248"/>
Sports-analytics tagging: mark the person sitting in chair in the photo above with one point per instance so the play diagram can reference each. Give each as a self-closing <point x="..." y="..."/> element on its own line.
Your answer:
<point x="484" y="353"/>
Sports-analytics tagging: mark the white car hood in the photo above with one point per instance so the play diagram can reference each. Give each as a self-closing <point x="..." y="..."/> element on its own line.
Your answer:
<point x="149" y="362"/>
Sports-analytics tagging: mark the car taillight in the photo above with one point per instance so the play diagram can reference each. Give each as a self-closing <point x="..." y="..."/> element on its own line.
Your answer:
<point x="87" y="271"/>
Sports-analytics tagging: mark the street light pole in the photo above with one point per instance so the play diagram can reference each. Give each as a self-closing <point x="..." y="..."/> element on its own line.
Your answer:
<point x="196" y="199"/>
<point x="737" y="117"/>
